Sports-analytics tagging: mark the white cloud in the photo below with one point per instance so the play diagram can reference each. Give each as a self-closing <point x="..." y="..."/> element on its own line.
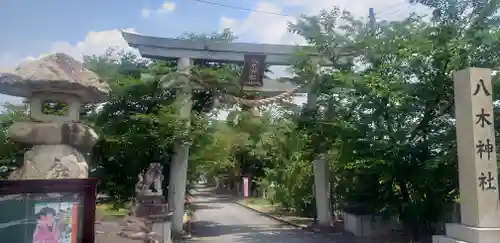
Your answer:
<point x="266" y="28"/>
<point x="145" y="12"/>
<point x="7" y="60"/>
<point x="7" y="64"/>
<point x="95" y="43"/>
<point x="387" y="9"/>
<point x="226" y="23"/>
<point x="261" y="28"/>
<point x="166" y="7"/>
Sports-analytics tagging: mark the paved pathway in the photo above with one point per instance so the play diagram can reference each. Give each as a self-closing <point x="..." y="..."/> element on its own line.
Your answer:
<point x="218" y="220"/>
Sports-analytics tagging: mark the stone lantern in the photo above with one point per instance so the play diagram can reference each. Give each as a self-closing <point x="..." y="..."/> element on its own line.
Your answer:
<point x="56" y="87"/>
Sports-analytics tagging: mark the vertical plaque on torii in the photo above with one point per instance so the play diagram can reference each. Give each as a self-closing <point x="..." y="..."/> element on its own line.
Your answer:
<point x="253" y="70"/>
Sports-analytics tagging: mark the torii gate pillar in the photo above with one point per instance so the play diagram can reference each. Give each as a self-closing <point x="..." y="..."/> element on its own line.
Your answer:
<point x="186" y="50"/>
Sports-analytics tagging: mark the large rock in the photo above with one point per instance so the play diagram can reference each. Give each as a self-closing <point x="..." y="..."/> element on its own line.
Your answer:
<point x="55" y="73"/>
<point x="39" y="133"/>
<point x="52" y="162"/>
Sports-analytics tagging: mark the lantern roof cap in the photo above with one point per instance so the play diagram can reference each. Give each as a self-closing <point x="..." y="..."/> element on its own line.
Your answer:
<point x="54" y="73"/>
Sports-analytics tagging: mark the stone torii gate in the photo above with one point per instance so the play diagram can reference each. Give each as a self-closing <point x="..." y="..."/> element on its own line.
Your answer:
<point x="185" y="51"/>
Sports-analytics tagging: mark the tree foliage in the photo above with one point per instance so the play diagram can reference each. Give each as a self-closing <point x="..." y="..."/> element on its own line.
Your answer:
<point x="387" y="107"/>
<point x="382" y="116"/>
<point x="140" y="123"/>
<point x="11" y="153"/>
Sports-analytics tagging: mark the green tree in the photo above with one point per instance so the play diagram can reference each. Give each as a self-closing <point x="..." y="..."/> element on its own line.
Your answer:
<point x="386" y="112"/>
<point x="11" y="152"/>
<point x="140" y="122"/>
<point x="136" y="127"/>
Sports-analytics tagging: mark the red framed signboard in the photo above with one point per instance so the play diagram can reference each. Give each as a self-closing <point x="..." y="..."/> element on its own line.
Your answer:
<point x="48" y="211"/>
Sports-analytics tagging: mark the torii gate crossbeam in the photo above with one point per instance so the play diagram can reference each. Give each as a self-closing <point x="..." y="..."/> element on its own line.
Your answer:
<point x="184" y="51"/>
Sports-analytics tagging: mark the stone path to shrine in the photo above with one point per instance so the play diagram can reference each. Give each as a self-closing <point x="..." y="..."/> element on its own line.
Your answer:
<point x="219" y="220"/>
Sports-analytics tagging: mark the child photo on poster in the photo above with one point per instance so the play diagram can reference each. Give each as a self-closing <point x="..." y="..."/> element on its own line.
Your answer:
<point x="54" y="222"/>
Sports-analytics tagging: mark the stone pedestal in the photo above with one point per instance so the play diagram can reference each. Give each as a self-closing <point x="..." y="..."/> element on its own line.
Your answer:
<point x="53" y="133"/>
<point x="54" y="162"/>
<point x="154" y="209"/>
<point x="479" y="198"/>
<point x="322" y="191"/>
<point x="162" y="225"/>
<point x="150" y="205"/>
<point x="459" y="233"/>
<point x="54" y="154"/>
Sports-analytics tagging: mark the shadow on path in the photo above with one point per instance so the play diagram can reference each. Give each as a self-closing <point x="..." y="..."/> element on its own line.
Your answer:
<point x="219" y="220"/>
<point x="207" y="231"/>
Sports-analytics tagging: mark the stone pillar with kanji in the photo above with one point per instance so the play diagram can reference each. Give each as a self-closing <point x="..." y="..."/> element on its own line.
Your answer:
<point x="479" y="198"/>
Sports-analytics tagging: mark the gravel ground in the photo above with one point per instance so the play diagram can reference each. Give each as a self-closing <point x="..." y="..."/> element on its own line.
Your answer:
<point x="106" y="233"/>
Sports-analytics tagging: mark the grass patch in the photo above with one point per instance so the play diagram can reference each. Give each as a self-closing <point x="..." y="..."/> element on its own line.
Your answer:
<point x="276" y="210"/>
<point x="106" y="211"/>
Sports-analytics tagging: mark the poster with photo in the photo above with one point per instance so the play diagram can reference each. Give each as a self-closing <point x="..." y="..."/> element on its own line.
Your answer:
<point x="55" y="222"/>
<point x="40" y="218"/>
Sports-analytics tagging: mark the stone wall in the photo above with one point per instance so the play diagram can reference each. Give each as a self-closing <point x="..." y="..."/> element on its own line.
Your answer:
<point x="368" y="225"/>
<point x="375" y="226"/>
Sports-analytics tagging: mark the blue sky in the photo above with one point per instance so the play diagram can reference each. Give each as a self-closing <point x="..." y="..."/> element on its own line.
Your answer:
<point x="31" y="28"/>
<point x="35" y="25"/>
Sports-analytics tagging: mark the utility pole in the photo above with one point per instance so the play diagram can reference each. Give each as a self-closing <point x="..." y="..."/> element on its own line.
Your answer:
<point x="371" y="20"/>
<point x="179" y="164"/>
